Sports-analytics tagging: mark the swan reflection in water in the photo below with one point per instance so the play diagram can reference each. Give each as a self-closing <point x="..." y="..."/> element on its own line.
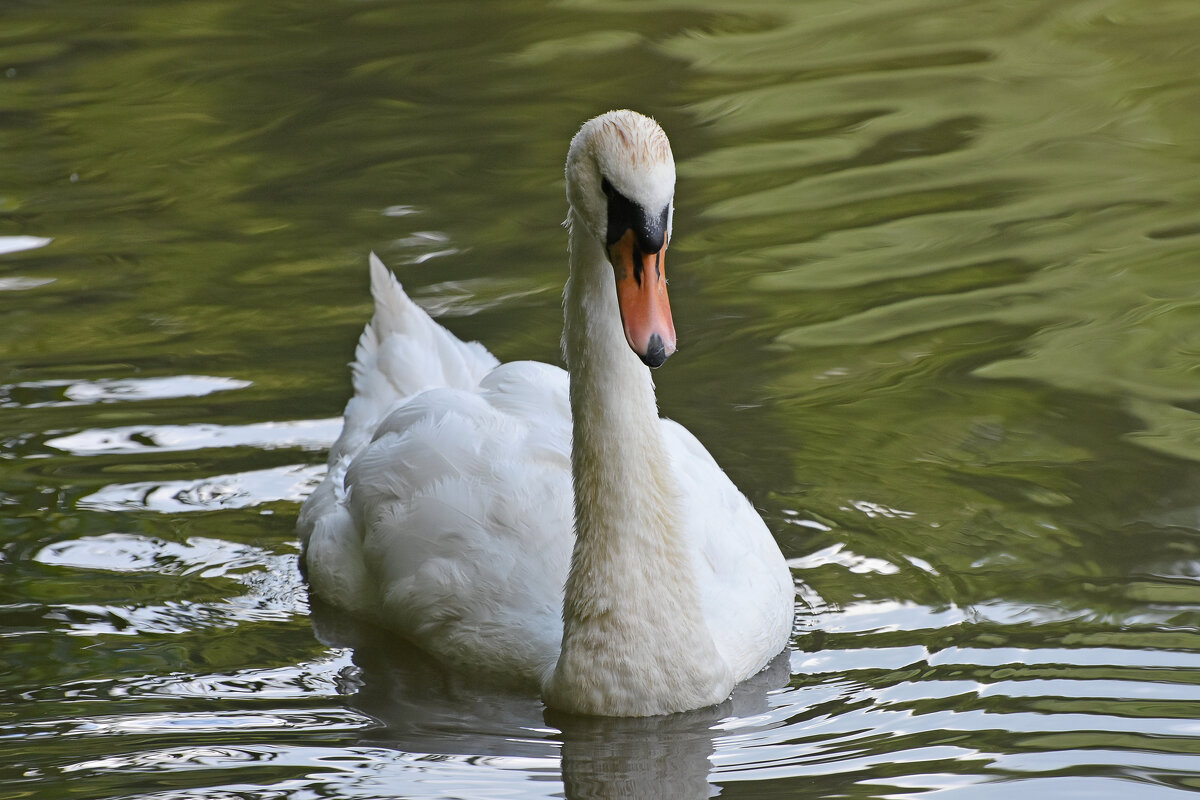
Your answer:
<point x="421" y="707"/>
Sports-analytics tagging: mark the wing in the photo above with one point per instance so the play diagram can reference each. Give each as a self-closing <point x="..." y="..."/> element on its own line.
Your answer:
<point x="446" y="511"/>
<point x="747" y="594"/>
<point x="460" y="509"/>
<point x="464" y="501"/>
<point x="400" y="353"/>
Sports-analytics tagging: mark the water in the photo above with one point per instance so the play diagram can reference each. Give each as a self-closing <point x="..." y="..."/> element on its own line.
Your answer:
<point x="934" y="283"/>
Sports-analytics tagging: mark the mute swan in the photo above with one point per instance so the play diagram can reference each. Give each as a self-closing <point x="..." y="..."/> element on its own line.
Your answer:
<point x="452" y="493"/>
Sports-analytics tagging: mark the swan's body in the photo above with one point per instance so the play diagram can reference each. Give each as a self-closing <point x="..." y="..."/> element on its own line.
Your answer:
<point x="453" y="492"/>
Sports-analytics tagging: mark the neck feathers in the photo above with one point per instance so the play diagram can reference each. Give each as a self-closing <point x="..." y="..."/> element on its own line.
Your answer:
<point x="634" y="642"/>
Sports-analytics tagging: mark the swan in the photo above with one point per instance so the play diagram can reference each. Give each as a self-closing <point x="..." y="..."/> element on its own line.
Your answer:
<point x="546" y="528"/>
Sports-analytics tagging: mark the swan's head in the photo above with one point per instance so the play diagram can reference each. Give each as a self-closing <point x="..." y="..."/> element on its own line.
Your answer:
<point x="620" y="182"/>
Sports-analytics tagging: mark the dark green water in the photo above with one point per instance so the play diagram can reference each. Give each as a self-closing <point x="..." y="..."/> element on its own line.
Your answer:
<point x="935" y="279"/>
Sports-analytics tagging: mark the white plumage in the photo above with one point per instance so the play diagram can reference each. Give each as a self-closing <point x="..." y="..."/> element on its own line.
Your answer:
<point x="450" y="503"/>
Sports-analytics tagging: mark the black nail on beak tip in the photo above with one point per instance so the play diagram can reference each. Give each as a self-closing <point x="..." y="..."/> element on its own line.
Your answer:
<point x="656" y="352"/>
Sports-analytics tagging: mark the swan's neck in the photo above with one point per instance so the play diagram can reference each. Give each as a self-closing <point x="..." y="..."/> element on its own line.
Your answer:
<point x="634" y="640"/>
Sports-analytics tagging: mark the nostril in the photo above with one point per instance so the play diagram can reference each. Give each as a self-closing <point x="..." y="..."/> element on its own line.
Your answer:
<point x="656" y="352"/>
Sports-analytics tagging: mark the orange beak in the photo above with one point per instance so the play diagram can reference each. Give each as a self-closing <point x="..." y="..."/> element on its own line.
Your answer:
<point x="642" y="295"/>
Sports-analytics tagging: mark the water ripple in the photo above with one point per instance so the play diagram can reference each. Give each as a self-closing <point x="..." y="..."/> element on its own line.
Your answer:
<point x="301" y="434"/>
<point x="58" y="393"/>
<point x="239" y="490"/>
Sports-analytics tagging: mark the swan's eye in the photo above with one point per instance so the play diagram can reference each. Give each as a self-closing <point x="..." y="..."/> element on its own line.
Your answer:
<point x="625" y="215"/>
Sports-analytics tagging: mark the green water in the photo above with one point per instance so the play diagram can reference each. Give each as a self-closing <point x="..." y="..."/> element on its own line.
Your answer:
<point x="935" y="282"/>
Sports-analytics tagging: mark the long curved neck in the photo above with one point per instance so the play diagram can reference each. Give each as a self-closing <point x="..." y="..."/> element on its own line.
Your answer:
<point x="634" y="640"/>
<point x="616" y="427"/>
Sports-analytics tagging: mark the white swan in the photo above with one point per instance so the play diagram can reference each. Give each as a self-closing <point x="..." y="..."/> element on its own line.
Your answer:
<point x="448" y="509"/>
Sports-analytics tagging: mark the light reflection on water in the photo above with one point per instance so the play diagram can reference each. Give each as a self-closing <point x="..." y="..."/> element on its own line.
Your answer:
<point x="241" y="490"/>
<point x="69" y="393"/>
<point x="316" y="434"/>
<point x="934" y="277"/>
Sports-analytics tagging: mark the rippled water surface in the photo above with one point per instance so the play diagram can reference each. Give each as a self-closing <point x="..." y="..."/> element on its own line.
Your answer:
<point x="936" y="286"/>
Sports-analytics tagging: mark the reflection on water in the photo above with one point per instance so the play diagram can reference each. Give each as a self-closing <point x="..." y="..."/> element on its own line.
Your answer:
<point x="68" y="393"/>
<point x="241" y="490"/>
<point x="301" y="434"/>
<point x="15" y="244"/>
<point x="934" y="280"/>
<point x="420" y="709"/>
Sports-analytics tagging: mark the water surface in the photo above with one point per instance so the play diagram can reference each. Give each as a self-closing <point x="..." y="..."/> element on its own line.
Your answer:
<point x="934" y="278"/>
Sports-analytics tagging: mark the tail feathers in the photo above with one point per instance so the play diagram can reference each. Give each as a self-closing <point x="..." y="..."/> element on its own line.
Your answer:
<point x="403" y="351"/>
<point x="394" y="311"/>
